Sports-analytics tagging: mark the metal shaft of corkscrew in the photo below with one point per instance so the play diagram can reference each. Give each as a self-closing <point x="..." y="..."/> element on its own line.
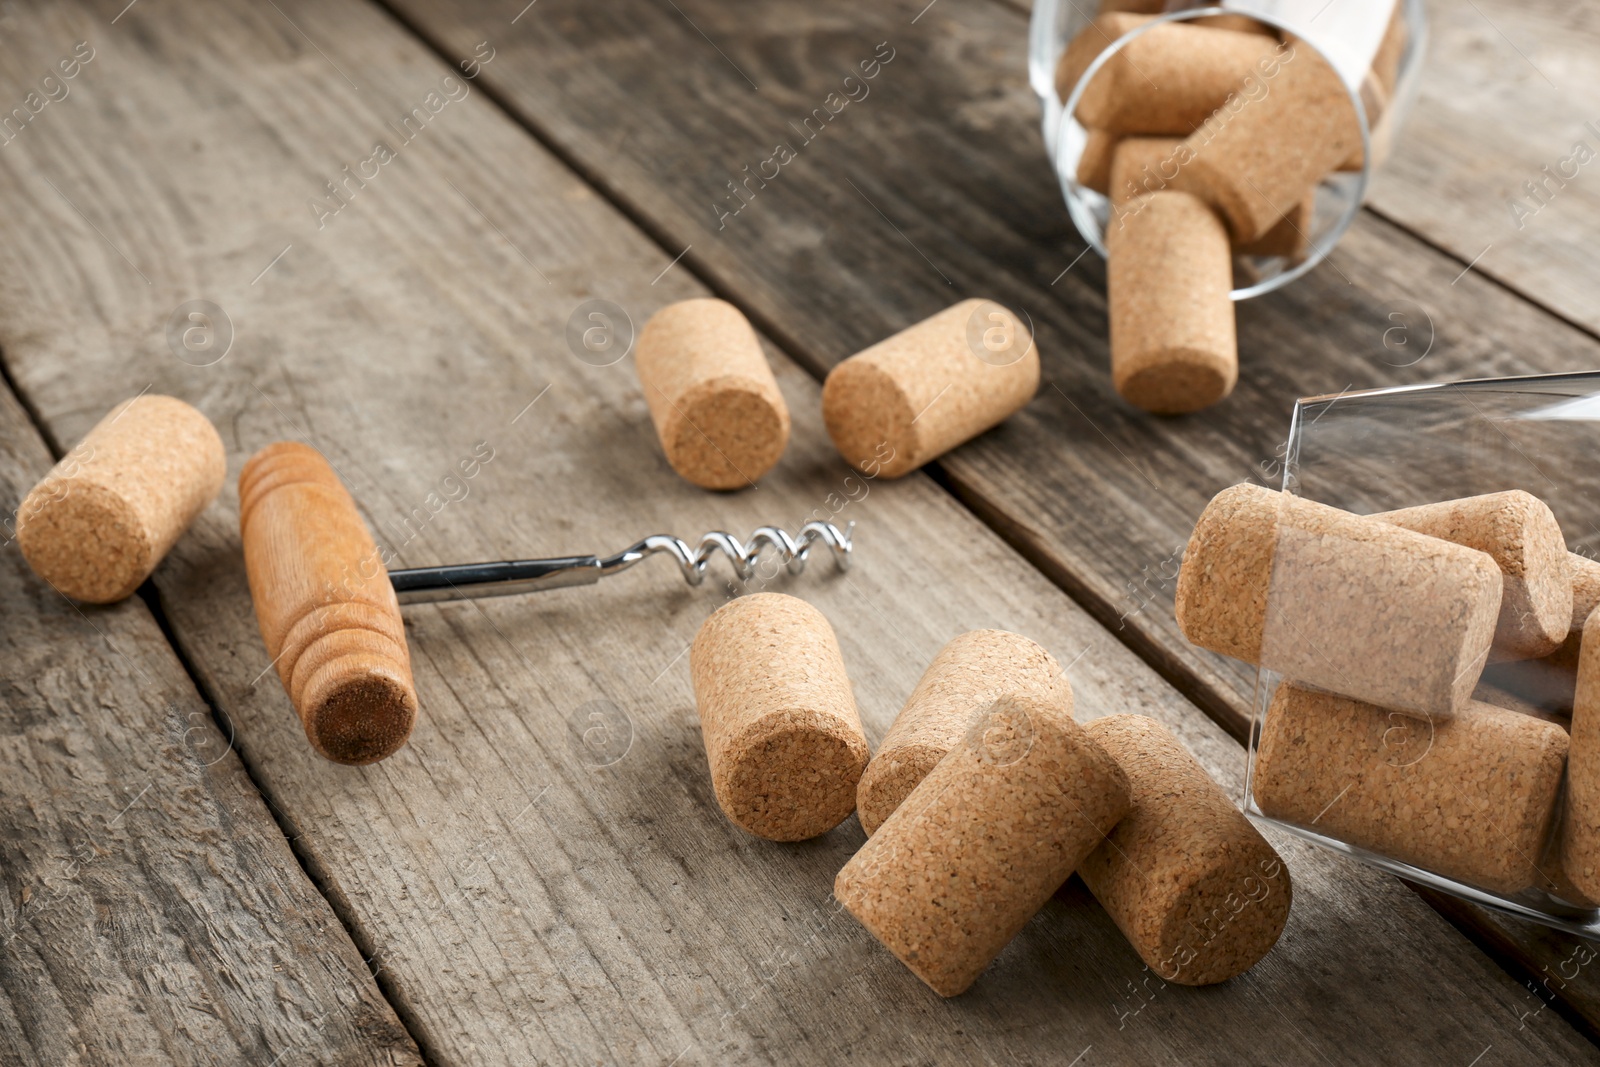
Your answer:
<point x="515" y="576"/>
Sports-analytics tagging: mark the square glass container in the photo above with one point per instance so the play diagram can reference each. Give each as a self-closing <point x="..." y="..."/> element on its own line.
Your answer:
<point x="1385" y="449"/>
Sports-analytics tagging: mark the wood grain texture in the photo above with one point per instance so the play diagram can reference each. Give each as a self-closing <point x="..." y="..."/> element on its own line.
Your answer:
<point x="934" y="187"/>
<point x="542" y="873"/>
<point x="1509" y="89"/>
<point x="152" y="911"/>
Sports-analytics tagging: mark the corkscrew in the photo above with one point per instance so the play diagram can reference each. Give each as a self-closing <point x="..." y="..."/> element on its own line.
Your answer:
<point x="512" y="577"/>
<point x="329" y="610"/>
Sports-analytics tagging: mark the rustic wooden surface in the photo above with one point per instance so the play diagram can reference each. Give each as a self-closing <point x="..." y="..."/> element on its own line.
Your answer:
<point x="152" y="910"/>
<point x="1509" y="90"/>
<point x="871" y="228"/>
<point x="524" y="886"/>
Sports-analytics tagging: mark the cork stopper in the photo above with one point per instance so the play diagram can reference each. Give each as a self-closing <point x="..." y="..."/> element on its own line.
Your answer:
<point x="1143" y="165"/>
<point x="961" y="684"/>
<point x="1340" y="601"/>
<point x="1553" y="876"/>
<point x="1520" y="533"/>
<point x="1471" y="798"/>
<point x="1169" y="275"/>
<point x="778" y="717"/>
<point x="1094" y="165"/>
<point x="1090" y="41"/>
<point x="1580" y="830"/>
<point x="1172" y="77"/>
<point x="1181" y="858"/>
<point x="1585" y="575"/>
<point x="984" y="840"/>
<point x="107" y="514"/>
<point x="914" y="396"/>
<point x="712" y="396"/>
<point x="1255" y="162"/>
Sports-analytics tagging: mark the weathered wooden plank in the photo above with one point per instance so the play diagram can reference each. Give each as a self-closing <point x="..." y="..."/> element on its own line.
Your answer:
<point x="529" y="894"/>
<point x="152" y="910"/>
<point x="1508" y="91"/>
<point x="933" y="186"/>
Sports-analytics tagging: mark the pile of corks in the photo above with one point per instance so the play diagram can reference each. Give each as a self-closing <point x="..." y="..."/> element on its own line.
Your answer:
<point x="1209" y="137"/>
<point x="983" y="798"/>
<point x="1437" y="685"/>
<point x="986" y="794"/>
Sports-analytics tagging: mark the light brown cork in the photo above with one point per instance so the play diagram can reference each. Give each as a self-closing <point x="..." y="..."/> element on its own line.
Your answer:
<point x="982" y="843"/>
<point x="1255" y="161"/>
<point x="106" y="515"/>
<point x="1171" y="78"/>
<point x="1169" y="273"/>
<point x="1143" y="165"/>
<point x="1585" y="574"/>
<point x="1553" y="876"/>
<point x="711" y="393"/>
<point x="962" y="683"/>
<point x="1520" y="533"/>
<point x="1339" y="601"/>
<point x="1580" y="830"/>
<point x="1094" y="165"/>
<point x="1196" y="889"/>
<point x="1471" y="798"/>
<point x="914" y="396"/>
<point x="781" y="730"/>
<point x="1089" y="42"/>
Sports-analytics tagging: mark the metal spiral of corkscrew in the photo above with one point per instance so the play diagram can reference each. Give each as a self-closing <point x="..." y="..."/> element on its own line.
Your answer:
<point x="511" y="577"/>
<point x="744" y="557"/>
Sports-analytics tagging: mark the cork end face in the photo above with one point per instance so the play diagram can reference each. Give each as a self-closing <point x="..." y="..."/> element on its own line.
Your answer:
<point x="1178" y="381"/>
<point x="1247" y="890"/>
<point x="889" y="779"/>
<point x="727" y="433"/>
<point x="1223" y="581"/>
<point x="870" y="420"/>
<point x="358" y="717"/>
<point x="85" y="540"/>
<point x="791" y="775"/>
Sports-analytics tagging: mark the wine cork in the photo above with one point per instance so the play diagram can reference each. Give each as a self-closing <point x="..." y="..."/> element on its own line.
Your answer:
<point x="107" y="514"/>
<point x="711" y="394"/>
<point x="1471" y="798"/>
<point x="1585" y="575"/>
<point x="1580" y="829"/>
<point x="1172" y="77"/>
<point x="1196" y="889"/>
<point x="915" y="396"/>
<point x="962" y="683"/>
<point x="1094" y="165"/>
<point x="1141" y="165"/>
<point x="985" y="839"/>
<point x="1254" y="161"/>
<point x="1340" y="601"/>
<point x="1553" y="877"/>
<point x="1169" y="273"/>
<point x="1089" y="42"/>
<point x="1238" y="23"/>
<point x="1520" y="533"/>
<point x="779" y="720"/>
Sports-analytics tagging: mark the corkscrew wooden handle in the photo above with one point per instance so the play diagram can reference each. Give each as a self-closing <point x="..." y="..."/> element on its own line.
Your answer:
<point x="327" y="610"/>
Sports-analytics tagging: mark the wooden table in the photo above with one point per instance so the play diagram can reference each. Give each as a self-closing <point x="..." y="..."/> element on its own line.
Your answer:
<point x="185" y="881"/>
